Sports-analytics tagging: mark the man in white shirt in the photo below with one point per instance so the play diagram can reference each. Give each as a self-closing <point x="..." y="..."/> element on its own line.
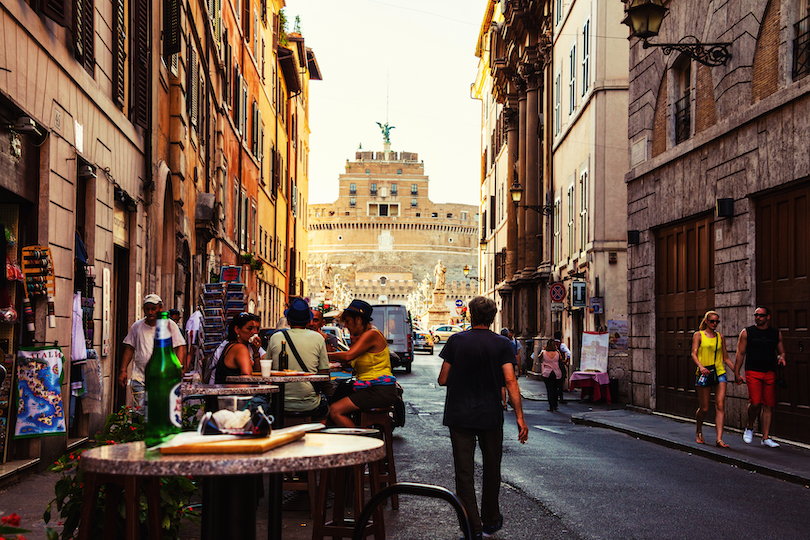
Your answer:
<point x="565" y="361"/>
<point x="139" y="344"/>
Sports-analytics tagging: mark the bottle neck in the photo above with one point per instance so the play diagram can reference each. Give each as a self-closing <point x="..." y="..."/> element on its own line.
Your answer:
<point x="163" y="336"/>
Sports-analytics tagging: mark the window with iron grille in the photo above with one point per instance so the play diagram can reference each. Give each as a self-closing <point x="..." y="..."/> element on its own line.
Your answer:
<point x="352" y="188"/>
<point x="414" y="202"/>
<point x="393" y="189"/>
<point x="414" y="189"/>
<point x="373" y="188"/>
<point x="353" y="201"/>
<point x="801" y="49"/>
<point x="683" y="118"/>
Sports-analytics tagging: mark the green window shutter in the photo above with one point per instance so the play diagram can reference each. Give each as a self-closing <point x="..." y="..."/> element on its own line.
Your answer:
<point x="139" y="55"/>
<point x="119" y="52"/>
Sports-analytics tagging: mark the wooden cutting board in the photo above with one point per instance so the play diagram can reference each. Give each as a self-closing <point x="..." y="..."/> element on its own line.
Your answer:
<point x="239" y="446"/>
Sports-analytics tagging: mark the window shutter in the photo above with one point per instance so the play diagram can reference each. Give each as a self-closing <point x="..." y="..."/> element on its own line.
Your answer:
<point x="275" y="32"/>
<point x="193" y="86"/>
<point x="171" y="27"/>
<point x="264" y="11"/>
<point x="201" y="102"/>
<point x="54" y="10"/>
<point x="119" y="51"/>
<point x="89" y="37"/>
<point x="140" y="68"/>
<point x="246" y="20"/>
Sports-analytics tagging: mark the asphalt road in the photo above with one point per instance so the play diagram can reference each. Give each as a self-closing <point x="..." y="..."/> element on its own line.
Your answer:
<point x="573" y="481"/>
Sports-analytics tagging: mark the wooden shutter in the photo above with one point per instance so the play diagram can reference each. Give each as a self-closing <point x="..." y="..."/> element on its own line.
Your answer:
<point x="140" y="63"/>
<point x="54" y="10"/>
<point x="119" y="52"/>
<point x="171" y="27"/>
<point x="83" y="17"/>
<point x="193" y="86"/>
<point x="246" y="20"/>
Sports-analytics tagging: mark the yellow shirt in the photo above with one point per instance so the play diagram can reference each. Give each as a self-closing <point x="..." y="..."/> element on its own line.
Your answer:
<point x="710" y="352"/>
<point x="369" y="366"/>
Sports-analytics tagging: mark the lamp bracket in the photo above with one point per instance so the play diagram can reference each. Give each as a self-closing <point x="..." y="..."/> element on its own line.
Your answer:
<point x="708" y="54"/>
<point x="545" y="209"/>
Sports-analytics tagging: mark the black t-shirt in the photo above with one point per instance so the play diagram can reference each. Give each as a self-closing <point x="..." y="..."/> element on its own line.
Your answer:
<point x="475" y="379"/>
<point x="760" y="349"/>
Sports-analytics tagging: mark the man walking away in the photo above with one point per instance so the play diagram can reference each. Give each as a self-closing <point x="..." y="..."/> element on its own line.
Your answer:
<point x="758" y="347"/>
<point x="477" y="362"/>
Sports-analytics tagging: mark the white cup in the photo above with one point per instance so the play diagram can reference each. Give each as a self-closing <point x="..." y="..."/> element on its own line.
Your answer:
<point x="267" y="366"/>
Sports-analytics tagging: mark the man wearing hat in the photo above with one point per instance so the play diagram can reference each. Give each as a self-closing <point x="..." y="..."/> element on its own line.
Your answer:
<point x="306" y="351"/>
<point x="140" y="343"/>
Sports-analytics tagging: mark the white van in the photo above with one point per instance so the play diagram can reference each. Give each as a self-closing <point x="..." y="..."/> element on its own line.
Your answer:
<point x="394" y="321"/>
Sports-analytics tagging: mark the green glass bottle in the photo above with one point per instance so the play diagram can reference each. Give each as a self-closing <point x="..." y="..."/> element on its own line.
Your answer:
<point x="163" y="375"/>
<point x="283" y="360"/>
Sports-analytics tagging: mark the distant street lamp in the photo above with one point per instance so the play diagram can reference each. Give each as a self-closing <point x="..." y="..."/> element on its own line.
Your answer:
<point x="644" y="17"/>
<point x="466" y="271"/>
<point x="516" y="192"/>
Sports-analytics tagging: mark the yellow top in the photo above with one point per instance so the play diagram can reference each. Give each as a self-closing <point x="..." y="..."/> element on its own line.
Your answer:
<point x="710" y="352"/>
<point x="369" y="366"/>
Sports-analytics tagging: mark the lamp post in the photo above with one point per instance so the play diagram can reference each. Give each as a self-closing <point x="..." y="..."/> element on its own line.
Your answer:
<point x="644" y="17"/>
<point x="466" y="271"/>
<point x="516" y="192"/>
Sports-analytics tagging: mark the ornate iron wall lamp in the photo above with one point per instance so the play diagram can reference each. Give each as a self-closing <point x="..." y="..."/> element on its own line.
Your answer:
<point x="466" y="271"/>
<point x="516" y="192"/>
<point x="644" y="17"/>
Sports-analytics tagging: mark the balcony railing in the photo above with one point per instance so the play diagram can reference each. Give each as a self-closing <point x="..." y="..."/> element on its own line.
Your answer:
<point x="683" y="119"/>
<point x="801" y="49"/>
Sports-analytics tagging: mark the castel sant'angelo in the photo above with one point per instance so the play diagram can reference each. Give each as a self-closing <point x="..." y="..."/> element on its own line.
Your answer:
<point x="383" y="240"/>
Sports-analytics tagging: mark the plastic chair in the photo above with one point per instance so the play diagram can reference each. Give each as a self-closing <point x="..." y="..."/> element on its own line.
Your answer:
<point x="409" y="488"/>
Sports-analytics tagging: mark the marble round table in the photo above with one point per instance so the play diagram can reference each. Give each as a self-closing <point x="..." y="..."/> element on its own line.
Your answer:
<point x="229" y="501"/>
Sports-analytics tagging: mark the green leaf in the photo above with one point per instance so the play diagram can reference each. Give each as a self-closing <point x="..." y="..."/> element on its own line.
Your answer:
<point x="46" y="517"/>
<point x="5" y="529"/>
<point x="51" y="534"/>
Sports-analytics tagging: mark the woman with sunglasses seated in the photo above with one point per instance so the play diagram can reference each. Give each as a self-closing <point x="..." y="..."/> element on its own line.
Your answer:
<point x="375" y="385"/>
<point x="709" y="353"/>
<point x="242" y="348"/>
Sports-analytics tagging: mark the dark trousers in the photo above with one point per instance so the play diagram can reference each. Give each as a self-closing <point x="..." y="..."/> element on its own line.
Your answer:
<point x="561" y="383"/>
<point x="551" y="390"/>
<point x="491" y="444"/>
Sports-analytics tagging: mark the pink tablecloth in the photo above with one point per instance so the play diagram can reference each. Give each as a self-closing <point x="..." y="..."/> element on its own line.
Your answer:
<point x="591" y="383"/>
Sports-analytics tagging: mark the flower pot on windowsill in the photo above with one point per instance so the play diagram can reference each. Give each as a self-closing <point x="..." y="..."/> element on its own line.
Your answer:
<point x="246" y="259"/>
<point x="256" y="265"/>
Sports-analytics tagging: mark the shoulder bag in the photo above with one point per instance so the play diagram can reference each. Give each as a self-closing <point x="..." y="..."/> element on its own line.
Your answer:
<point x="711" y="378"/>
<point x="326" y="388"/>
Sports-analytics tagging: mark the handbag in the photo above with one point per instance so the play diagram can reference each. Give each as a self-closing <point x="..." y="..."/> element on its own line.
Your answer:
<point x="326" y="388"/>
<point x="711" y="378"/>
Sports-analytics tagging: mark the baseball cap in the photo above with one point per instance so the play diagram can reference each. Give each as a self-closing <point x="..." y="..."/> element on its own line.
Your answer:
<point x="152" y="299"/>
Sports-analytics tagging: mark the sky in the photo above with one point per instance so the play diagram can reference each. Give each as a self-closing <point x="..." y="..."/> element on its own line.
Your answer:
<point x="407" y="62"/>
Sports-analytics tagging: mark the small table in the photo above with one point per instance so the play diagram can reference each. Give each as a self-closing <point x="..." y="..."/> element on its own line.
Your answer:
<point x="210" y="392"/>
<point x="592" y="383"/>
<point x="229" y="506"/>
<point x="277" y="480"/>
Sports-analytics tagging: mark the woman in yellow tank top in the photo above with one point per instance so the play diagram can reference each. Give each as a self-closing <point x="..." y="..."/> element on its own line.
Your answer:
<point x="375" y="385"/>
<point x="709" y="353"/>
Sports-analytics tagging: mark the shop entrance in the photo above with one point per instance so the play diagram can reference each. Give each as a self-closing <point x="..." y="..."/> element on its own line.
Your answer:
<point x="120" y="314"/>
<point x="684" y="291"/>
<point x="782" y="266"/>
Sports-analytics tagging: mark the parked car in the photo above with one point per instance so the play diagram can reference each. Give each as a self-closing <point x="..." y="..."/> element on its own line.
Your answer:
<point x="444" y="331"/>
<point x="422" y="342"/>
<point x="395" y="323"/>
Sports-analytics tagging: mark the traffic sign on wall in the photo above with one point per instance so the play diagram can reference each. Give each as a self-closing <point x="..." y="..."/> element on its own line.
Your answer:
<point x="557" y="292"/>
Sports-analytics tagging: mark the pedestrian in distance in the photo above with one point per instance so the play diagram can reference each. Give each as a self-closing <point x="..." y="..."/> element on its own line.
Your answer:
<point x="760" y="349"/>
<point x="565" y="361"/>
<point x="709" y="354"/>
<point x="316" y="324"/>
<point x="139" y="345"/>
<point x="507" y="333"/>
<point x="550" y="362"/>
<point x="477" y="362"/>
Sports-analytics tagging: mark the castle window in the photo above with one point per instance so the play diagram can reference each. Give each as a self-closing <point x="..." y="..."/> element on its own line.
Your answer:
<point x="373" y="188"/>
<point x="393" y="189"/>
<point x="352" y="188"/>
<point x="353" y="201"/>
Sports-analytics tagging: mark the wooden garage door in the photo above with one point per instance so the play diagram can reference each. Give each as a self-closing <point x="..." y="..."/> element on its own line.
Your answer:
<point x="684" y="291"/>
<point x="783" y="238"/>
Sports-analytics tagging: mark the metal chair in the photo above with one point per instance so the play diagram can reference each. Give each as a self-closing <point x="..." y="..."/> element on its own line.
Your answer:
<point x="410" y="488"/>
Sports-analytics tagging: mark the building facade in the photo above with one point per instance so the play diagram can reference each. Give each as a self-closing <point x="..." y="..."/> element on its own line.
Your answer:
<point x="383" y="236"/>
<point x="144" y="173"/>
<point x="717" y="195"/>
<point x="553" y="87"/>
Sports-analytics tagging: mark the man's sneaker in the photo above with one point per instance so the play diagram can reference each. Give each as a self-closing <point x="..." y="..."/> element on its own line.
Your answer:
<point x="748" y="436"/>
<point x="489" y="530"/>
<point x="770" y="443"/>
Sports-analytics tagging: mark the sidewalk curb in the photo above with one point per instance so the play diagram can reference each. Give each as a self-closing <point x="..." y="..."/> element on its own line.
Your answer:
<point x="705" y="451"/>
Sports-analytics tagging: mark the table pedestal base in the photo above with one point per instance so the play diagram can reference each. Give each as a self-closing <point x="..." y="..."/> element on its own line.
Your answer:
<point x="229" y="507"/>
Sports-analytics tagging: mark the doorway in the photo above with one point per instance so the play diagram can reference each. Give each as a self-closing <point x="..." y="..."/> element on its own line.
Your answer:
<point x="120" y="315"/>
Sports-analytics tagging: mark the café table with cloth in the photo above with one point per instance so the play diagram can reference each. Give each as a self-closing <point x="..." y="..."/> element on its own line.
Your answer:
<point x="229" y="510"/>
<point x="592" y="383"/>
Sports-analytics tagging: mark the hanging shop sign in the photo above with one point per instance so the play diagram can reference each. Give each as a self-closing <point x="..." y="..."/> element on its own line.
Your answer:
<point x="578" y="294"/>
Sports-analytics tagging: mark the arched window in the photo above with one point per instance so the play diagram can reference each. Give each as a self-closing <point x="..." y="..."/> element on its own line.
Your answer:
<point x="682" y="103"/>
